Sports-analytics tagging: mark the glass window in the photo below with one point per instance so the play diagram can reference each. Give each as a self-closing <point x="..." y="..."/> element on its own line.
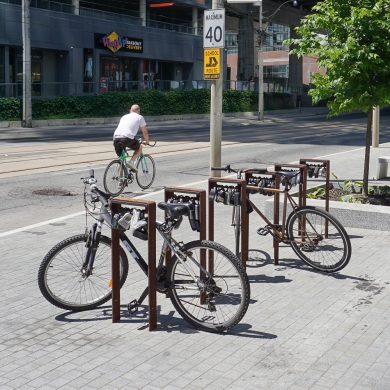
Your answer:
<point x="88" y="68"/>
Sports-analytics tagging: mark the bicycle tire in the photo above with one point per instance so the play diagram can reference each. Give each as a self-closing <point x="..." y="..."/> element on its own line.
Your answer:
<point x="61" y="281"/>
<point x="146" y="171"/>
<point x="111" y="178"/>
<point x="327" y="254"/>
<point x="230" y="304"/>
<point x="237" y="228"/>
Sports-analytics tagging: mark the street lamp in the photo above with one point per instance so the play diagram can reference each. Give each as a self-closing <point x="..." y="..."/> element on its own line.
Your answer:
<point x="262" y="36"/>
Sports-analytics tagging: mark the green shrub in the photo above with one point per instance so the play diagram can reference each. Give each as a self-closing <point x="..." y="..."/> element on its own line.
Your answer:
<point x="152" y="103"/>
<point x="10" y="108"/>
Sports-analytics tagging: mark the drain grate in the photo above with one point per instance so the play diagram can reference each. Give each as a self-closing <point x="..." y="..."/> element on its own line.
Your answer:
<point x="54" y="192"/>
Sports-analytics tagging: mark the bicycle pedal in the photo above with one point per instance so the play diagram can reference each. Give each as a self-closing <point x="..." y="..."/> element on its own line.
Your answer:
<point x="263" y="231"/>
<point x="309" y="248"/>
<point x="132" y="307"/>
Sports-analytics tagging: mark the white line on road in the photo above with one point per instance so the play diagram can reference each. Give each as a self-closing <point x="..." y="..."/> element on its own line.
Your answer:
<point x="82" y="212"/>
<point x="139" y="197"/>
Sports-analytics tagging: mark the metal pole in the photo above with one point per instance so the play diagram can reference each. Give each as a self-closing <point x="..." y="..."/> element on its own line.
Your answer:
<point x="375" y="127"/>
<point x="260" y="115"/>
<point x="216" y="118"/>
<point x="27" y="112"/>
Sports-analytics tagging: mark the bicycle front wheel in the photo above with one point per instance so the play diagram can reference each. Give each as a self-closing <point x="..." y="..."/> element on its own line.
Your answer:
<point x="212" y="304"/>
<point x="62" y="281"/>
<point x="319" y="239"/>
<point x="114" y="179"/>
<point x="146" y="171"/>
<point x="237" y="228"/>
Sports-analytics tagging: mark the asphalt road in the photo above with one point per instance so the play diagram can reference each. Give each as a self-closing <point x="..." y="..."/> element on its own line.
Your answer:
<point x="184" y="160"/>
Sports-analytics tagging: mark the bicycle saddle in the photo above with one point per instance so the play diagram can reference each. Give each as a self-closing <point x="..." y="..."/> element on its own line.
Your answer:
<point x="176" y="209"/>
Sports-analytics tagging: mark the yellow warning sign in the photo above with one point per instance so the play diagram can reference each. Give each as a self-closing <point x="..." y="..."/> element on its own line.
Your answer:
<point x="212" y="64"/>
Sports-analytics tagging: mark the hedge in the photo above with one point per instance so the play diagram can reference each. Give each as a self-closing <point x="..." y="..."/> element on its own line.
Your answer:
<point x="152" y="102"/>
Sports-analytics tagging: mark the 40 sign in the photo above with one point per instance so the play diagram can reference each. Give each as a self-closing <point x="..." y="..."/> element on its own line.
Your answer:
<point x="214" y="29"/>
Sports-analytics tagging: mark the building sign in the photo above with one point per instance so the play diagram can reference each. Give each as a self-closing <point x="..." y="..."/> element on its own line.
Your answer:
<point x="115" y="42"/>
<point x="212" y="64"/>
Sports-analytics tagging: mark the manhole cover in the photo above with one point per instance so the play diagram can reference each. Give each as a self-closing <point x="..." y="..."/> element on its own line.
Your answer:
<point x="54" y="192"/>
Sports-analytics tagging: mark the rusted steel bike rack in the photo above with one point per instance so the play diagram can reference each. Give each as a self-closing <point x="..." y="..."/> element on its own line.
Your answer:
<point x="301" y="198"/>
<point x="322" y="164"/>
<point x="325" y="164"/>
<point x="200" y="195"/>
<point x="150" y="210"/>
<point x="214" y="182"/>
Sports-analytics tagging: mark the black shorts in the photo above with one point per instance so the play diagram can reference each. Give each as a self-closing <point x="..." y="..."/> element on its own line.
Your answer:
<point x="132" y="144"/>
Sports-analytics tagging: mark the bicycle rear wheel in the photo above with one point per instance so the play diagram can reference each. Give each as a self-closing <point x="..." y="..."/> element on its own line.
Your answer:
<point x="61" y="279"/>
<point x="329" y="252"/>
<point x="114" y="178"/>
<point x="237" y="228"/>
<point x="146" y="171"/>
<point x="214" y="304"/>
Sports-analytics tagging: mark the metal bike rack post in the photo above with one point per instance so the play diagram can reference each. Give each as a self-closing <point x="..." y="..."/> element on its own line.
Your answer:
<point x="241" y="184"/>
<point x="326" y="165"/>
<point x="301" y="198"/>
<point x="150" y="210"/>
<point x="249" y="175"/>
<point x="200" y="195"/>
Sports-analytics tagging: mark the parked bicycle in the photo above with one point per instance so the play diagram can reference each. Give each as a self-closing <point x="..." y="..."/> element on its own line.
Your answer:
<point x="206" y="282"/>
<point x="317" y="237"/>
<point x="117" y="174"/>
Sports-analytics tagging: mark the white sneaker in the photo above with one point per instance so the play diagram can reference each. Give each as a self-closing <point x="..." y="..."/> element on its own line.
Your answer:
<point x="132" y="166"/>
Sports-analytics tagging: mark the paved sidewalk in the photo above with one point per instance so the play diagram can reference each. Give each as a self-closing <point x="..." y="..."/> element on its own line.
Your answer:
<point x="303" y="329"/>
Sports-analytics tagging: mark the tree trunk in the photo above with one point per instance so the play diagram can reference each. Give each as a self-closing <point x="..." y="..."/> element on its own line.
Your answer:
<point x="367" y="155"/>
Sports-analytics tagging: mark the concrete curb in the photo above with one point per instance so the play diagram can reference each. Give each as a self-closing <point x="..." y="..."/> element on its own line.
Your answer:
<point x="354" y="215"/>
<point x="115" y="120"/>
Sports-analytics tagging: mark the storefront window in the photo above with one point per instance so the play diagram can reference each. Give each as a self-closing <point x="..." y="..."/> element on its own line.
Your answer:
<point x="16" y="70"/>
<point x="118" y="74"/>
<point x="88" y="68"/>
<point x="2" y="71"/>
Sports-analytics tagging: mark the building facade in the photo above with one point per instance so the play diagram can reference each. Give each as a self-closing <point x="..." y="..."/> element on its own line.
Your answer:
<point x="89" y="47"/>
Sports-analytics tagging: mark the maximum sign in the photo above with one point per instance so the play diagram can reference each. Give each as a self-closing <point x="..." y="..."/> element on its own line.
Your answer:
<point x="214" y="28"/>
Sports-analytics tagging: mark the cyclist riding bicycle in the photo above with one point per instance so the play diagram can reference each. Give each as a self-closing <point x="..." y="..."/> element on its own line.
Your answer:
<point x="124" y="135"/>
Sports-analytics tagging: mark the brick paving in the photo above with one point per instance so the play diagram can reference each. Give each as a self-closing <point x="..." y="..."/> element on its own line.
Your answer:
<point x="303" y="329"/>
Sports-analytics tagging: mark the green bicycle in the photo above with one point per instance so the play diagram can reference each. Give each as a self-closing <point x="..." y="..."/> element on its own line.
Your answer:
<point x="117" y="175"/>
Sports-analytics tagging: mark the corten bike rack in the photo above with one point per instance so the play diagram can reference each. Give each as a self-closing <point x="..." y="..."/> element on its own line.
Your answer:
<point x="150" y="210"/>
<point x="200" y="195"/>
<point x="301" y="197"/>
<point x="320" y="164"/>
<point x="241" y="184"/>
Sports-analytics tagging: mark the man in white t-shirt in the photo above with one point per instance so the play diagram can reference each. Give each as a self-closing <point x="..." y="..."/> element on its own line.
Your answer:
<point x="124" y="135"/>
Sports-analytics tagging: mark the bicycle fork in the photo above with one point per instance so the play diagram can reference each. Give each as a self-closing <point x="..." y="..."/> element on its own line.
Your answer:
<point x="92" y="244"/>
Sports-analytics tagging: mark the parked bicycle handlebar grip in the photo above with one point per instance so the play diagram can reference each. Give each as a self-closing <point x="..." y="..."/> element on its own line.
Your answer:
<point x="227" y="168"/>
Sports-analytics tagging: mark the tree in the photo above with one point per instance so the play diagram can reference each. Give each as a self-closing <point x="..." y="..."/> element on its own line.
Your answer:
<point x="352" y="42"/>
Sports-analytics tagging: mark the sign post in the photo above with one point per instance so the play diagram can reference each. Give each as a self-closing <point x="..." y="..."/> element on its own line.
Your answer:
<point x="213" y="41"/>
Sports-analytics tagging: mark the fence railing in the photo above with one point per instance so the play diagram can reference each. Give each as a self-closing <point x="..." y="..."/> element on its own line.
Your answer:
<point x="52" y="89"/>
<point x="93" y="13"/>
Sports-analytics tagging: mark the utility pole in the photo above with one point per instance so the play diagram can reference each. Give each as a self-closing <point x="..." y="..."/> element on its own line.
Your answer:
<point x="216" y="118"/>
<point x="262" y="36"/>
<point x="27" y="112"/>
<point x="260" y="99"/>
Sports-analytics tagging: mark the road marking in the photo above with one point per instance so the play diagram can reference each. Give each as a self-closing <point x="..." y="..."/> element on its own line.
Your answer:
<point x="139" y="197"/>
<point x="83" y="212"/>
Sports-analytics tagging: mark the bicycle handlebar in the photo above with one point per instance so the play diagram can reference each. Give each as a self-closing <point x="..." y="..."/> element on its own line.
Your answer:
<point x="141" y="140"/>
<point x="229" y="169"/>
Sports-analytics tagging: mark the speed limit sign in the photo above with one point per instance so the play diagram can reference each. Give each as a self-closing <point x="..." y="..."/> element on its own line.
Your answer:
<point x="214" y="28"/>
